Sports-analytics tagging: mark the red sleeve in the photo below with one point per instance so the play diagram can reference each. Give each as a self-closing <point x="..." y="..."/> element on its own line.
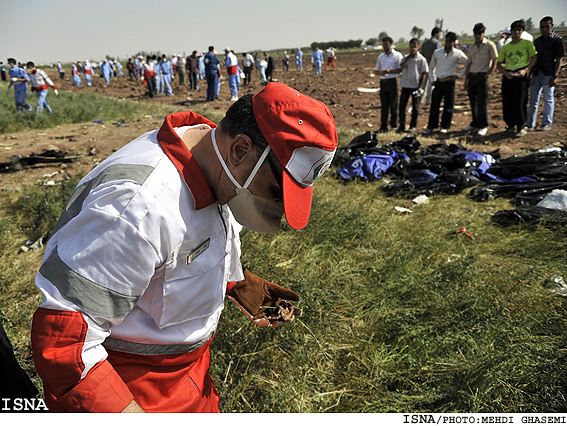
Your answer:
<point x="57" y="342"/>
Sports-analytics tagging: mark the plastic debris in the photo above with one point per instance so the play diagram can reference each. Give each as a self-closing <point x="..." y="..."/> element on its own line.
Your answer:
<point x="556" y="285"/>
<point x="403" y="210"/>
<point x="463" y="231"/>
<point x="421" y="199"/>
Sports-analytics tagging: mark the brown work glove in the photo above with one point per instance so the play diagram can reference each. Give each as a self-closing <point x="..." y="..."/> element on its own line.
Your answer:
<point x="264" y="302"/>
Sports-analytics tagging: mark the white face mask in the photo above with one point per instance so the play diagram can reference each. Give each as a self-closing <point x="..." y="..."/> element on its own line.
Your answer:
<point x="252" y="211"/>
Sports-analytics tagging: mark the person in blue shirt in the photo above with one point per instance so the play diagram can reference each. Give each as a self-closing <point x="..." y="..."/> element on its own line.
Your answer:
<point x="317" y="60"/>
<point x="299" y="59"/>
<point x="166" y="73"/>
<point x="106" y="71"/>
<point x="19" y="79"/>
<point x="158" y="76"/>
<point x="212" y="70"/>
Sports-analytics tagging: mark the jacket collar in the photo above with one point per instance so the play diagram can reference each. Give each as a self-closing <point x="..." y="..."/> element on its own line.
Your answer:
<point x="181" y="157"/>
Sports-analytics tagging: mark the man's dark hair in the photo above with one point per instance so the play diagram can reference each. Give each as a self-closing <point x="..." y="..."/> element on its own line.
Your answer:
<point x="211" y="48"/>
<point x="388" y="40"/>
<point x="547" y="19"/>
<point x="11" y="61"/>
<point x="30" y="64"/>
<point x="451" y="36"/>
<point x="435" y="30"/>
<point x="479" y="28"/>
<point x="240" y="119"/>
<point x="414" y="40"/>
<point x="518" y="24"/>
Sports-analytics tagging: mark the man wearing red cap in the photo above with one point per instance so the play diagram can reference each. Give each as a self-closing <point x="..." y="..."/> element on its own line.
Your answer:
<point x="132" y="302"/>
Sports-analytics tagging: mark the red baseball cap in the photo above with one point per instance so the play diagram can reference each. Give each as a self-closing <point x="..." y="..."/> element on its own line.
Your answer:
<point x="302" y="133"/>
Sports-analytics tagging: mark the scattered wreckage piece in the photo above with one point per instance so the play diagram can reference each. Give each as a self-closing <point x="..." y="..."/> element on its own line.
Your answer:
<point x="18" y="162"/>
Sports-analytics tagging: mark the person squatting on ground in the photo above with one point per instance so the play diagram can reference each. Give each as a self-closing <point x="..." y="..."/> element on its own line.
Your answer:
<point x="317" y="61"/>
<point x="133" y="300"/>
<point x="442" y="74"/>
<point x="414" y="75"/>
<point x="550" y="52"/>
<point x="231" y="64"/>
<point x="40" y="82"/>
<point x="515" y="61"/>
<point x="19" y="79"/>
<point x="427" y="48"/>
<point x="480" y="65"/>
<point x="388" y="67"/>
<point x="212" y="73"/>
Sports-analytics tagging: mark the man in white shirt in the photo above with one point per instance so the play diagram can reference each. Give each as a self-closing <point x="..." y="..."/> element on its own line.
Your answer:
<point x="387" y="67"/>
<point x="442" y="74"/>
<point x="481" y="63"/>
<point x="414" y="75"/>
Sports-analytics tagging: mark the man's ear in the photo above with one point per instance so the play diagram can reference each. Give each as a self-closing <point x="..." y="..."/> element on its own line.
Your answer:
<point x="240" y="148"/>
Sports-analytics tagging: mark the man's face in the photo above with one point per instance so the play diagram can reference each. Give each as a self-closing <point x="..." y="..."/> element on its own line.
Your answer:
<point x="449" y="44"/>
<point x="478" y="37"/>
<point x="517" y="34"/>
<point x="414" y="47"/>
<point x="545" y="28"/>
<point x="387" y="46"/>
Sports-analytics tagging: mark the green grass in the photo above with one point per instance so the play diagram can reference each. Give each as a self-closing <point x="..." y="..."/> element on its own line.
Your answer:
<point x="69" y="108"/>
<point x="401" y="314"/>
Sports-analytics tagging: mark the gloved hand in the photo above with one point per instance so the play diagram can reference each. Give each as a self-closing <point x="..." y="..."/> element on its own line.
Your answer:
<point x="264" y="302"/>
<point x="56" y="92"/>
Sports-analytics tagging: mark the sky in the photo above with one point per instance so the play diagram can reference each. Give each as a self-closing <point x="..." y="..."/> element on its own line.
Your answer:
<point x="45" y="31"/>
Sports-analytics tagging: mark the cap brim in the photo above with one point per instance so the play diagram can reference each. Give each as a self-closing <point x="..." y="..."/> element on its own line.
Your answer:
<point x="297" y="202"/>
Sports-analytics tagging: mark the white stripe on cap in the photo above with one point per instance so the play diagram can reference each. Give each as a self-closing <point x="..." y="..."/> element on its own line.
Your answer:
<point x="308" y="163"/>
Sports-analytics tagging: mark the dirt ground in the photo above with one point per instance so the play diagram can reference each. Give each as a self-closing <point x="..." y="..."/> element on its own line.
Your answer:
<point x="353" y="110"/>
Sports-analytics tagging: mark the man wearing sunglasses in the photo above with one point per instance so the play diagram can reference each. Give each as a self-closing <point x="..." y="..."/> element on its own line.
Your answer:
<point x="132" y="301"/>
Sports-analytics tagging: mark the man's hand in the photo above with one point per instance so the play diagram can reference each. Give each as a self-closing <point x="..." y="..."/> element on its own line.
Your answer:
<point x="264" y="302"/>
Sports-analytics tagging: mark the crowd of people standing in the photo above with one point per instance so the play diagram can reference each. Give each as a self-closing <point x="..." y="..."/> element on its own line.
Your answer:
<point x="529" y="68"/>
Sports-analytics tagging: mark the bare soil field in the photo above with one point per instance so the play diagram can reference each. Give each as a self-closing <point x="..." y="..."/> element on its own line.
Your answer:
<point x="355" y="111"/>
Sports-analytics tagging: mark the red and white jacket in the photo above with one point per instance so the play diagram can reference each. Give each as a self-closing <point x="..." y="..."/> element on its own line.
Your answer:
<point x="138" y="264"/>
<point x="40" y="80"/>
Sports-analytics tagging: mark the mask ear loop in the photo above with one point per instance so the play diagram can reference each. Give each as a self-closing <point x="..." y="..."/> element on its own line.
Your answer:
<point x="225" y="167"/>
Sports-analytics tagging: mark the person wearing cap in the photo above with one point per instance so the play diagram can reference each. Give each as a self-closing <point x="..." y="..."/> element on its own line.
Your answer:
<point x="515" y="61"/>
<point x="550" y="52"/>
<point x="212" y="73"/>
<point x="231" y="64"/>
<point x="40" y="81"/>
<point x="132" y="302"/>
<point x="480" y="65"/>
<point x="19" y="79"/>
<point x="504" y="38"/>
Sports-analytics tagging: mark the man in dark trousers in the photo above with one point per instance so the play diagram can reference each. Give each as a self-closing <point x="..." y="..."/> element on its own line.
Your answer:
<point x="550" y="52"/>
